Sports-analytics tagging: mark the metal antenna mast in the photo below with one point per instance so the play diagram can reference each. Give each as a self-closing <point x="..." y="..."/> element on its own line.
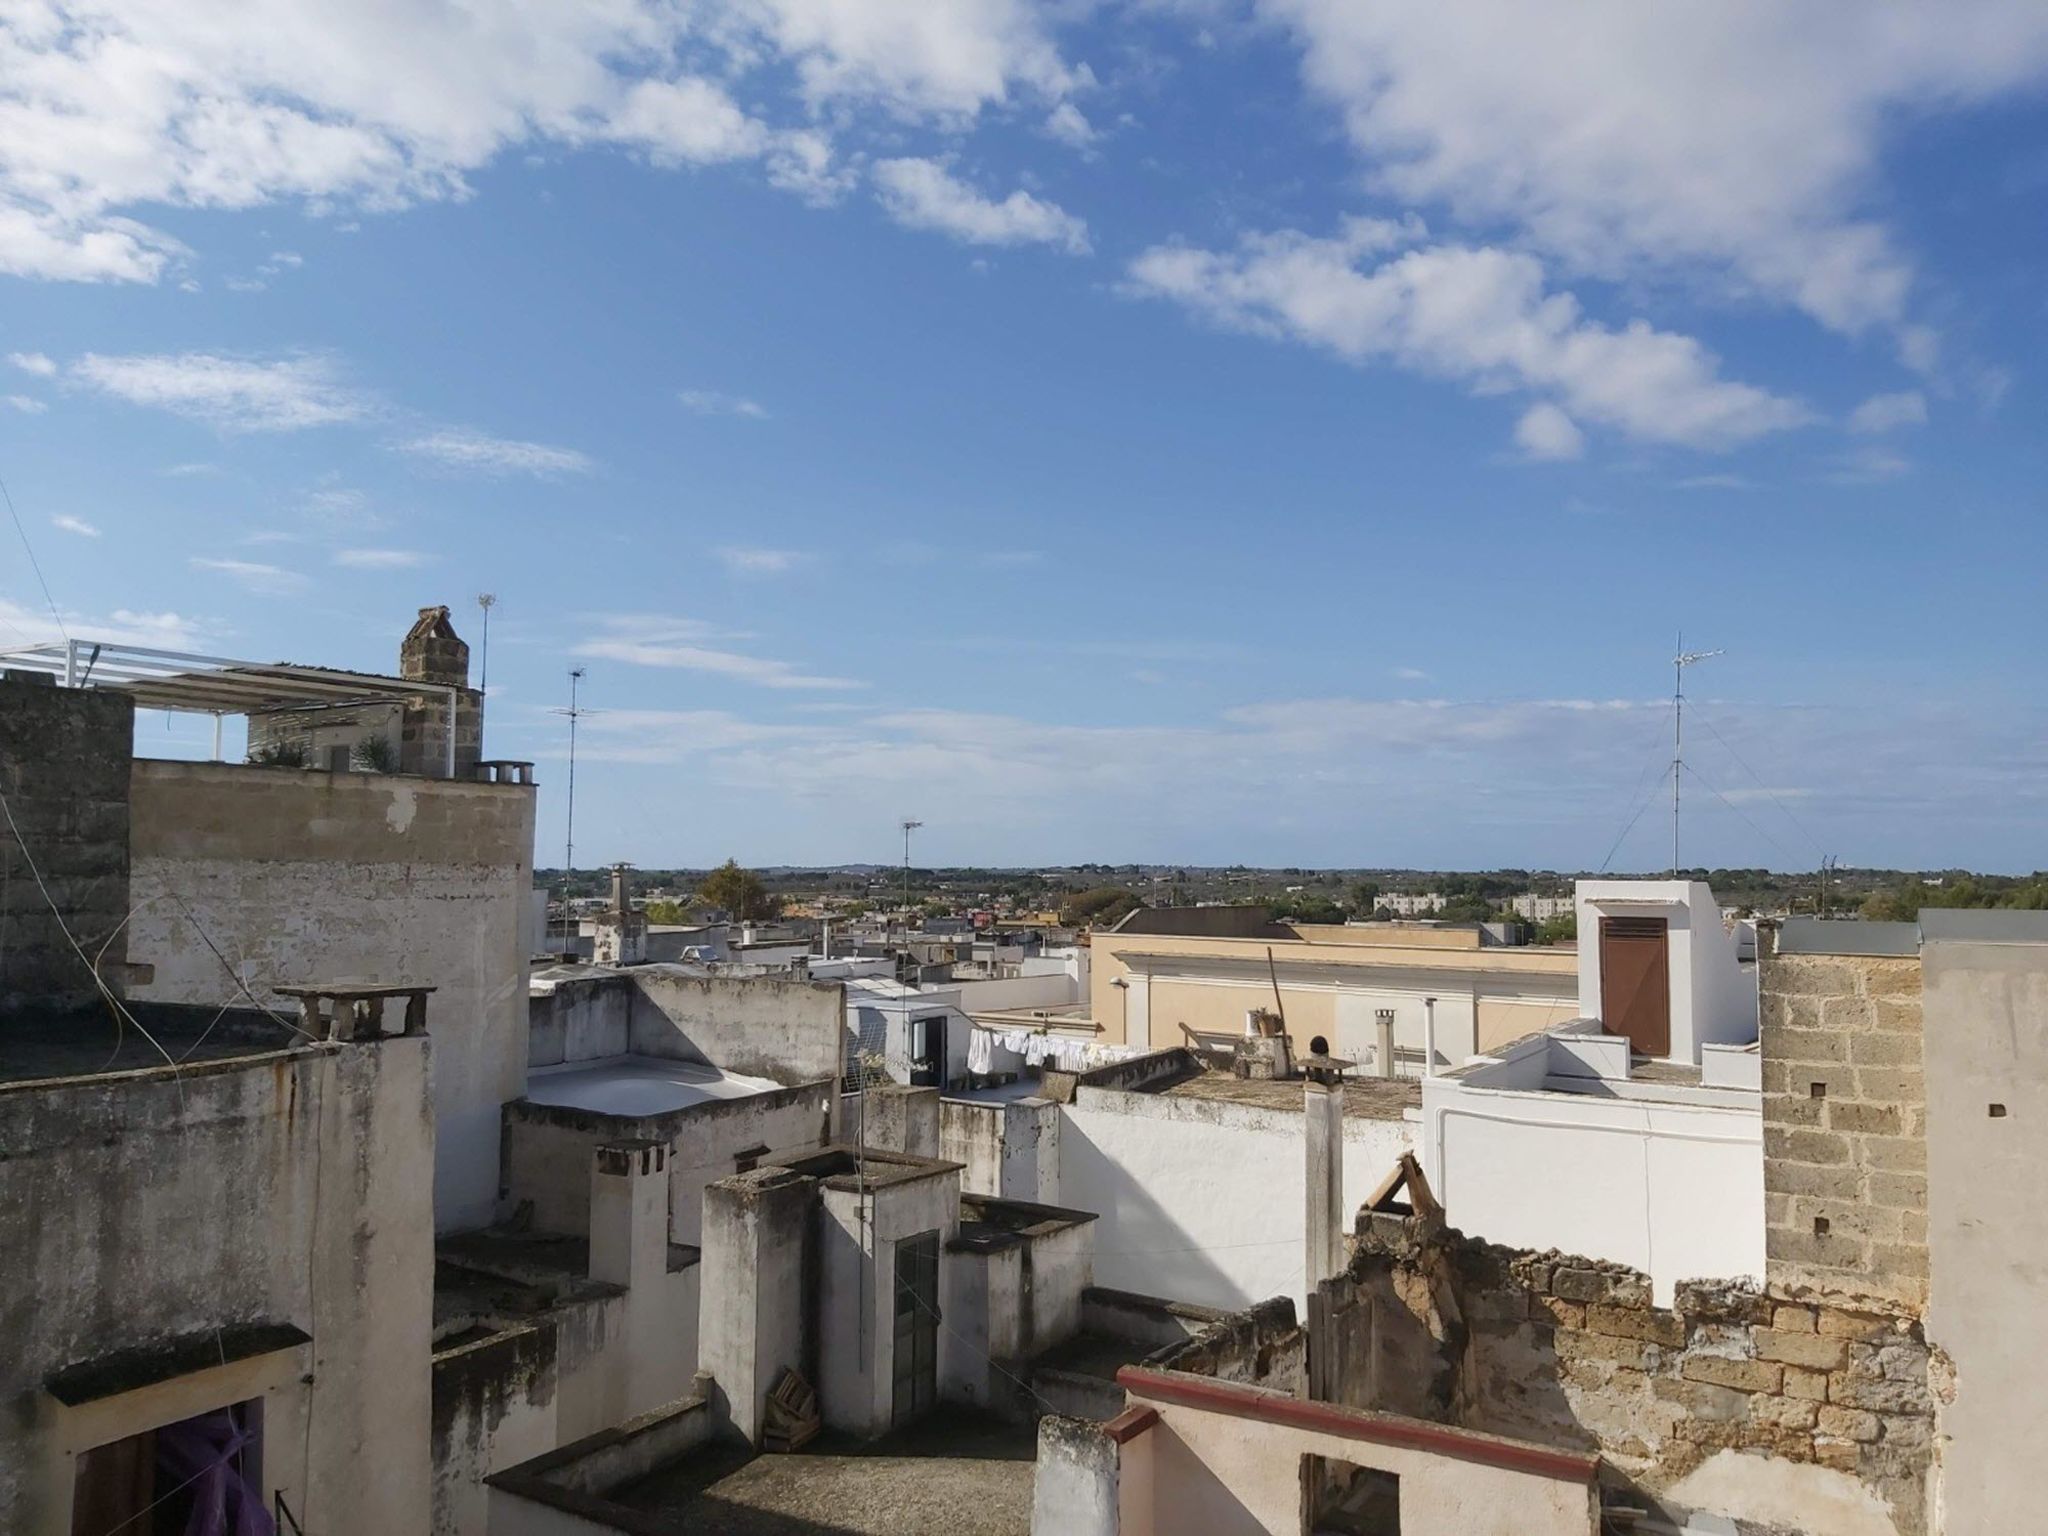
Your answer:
<point x="1679" y="663"/>
<point x="909" y="827"/>
<point x="574" y="713"/>
<point x="486" y="601"/>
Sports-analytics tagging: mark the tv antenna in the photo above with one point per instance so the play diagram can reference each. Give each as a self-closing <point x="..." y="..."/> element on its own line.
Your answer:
<point x="909" y="826"/>
<point x="1679" y="663"/>
<point x="486" y="601"/>
<point x="575" y="712"/>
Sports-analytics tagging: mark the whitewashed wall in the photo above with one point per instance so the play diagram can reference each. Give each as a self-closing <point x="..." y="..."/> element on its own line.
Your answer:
<point x="1203" y="1200"/>
<point x="1676" y="1190"/>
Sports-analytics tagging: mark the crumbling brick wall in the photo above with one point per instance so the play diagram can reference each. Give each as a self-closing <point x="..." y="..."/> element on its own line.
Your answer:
<point x="1571" y="1352"/>
<point x="1845" y="1106"/>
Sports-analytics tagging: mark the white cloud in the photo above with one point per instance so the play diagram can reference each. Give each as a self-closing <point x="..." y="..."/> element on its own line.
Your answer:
<point x="1867" y="465"/>
<point x="658" y="642"/>
<point x="1545" y="432"/>
<point x="166" y="631"/>
<point x="712" y="402"/>
<point x="476" y="452"/>
<point x="1740" y="137"/>
<point x="1479" y="315"/>
<point x="233" y="394"/>
<point x="1888" y="413"/>
<point x="36" y="363"/>
<point x="379" y="559"/>
<point x="28" y="405"/>
<point x="271" y="580"/>
<point x="748" y="561"/>
<point x="77" y="525"/>
<point x="1067" y="123"/>
<point x="924" y="194"/>
<point x="112" y="107"/>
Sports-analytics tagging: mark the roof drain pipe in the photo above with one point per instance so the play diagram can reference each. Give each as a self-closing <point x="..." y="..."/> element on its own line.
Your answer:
<point x="1429" y="1037"/>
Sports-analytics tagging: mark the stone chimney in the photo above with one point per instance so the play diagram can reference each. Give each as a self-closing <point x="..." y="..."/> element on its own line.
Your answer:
<point x="433" y="653"/>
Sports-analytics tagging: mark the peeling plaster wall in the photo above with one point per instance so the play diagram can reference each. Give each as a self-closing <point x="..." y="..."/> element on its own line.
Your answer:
<point x="281" y="1188"/>
<point x="313" y="877"/>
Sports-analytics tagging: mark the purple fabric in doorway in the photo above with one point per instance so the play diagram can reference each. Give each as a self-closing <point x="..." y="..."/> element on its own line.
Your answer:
<point x="204" y="1455"/>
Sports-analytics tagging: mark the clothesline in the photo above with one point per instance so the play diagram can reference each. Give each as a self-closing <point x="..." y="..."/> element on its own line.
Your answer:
<point x="1037" y="1048"/>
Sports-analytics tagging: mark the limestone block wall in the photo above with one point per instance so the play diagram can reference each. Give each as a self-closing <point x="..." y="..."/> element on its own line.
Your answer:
<point x="1845" y="1112"/>
<point x="1784" y="1412"/>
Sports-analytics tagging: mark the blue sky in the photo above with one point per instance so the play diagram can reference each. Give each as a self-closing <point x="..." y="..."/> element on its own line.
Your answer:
<point x="1279" y="432"/>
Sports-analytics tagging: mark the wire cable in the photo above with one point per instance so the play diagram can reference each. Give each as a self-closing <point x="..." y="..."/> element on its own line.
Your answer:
<point x="1731" y="805"/>
<point x="1771" y="793"/>
<point x="1646" y="784"/>
<point x="34" y="564"/>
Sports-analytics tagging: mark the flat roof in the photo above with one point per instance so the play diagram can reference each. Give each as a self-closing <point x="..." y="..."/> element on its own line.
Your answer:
<point x="958" y="1471"/>
<point x="1365" y="1098"/>
<point x="635" y="1087"/>
<point x="44" y="1046"/>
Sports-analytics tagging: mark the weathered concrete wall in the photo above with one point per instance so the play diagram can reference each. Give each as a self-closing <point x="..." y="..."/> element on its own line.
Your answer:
<point x="856" y="1292"/>
<point x="1008" y="1149"/>
<point x="1076" y="1491"/>
<point x="548" y="1148"/>
<point x="585" y="1019"/>
<point x="1203" y="1199"/>
<point x="148" y="1206"/>
<point x="1845" y="1150"/>
<point x="759" y="1246"/>
<point x="899" y="1118"/>
<point x="789" y="1031"/>
<point x="298" y="877"/>
<point x="64" y="771"/>
<point x="1789" y="1414"/>
<point x="494" y="1407"/>
<point x="1987" y="1143"/>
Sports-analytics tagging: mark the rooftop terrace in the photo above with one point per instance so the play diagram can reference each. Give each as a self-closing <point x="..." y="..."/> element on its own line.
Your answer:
<point x="41" y="1046"/>
<point x="956" y="1472"/>
<point x="1365" y="1098"/>
<point x="638" y="1086"/>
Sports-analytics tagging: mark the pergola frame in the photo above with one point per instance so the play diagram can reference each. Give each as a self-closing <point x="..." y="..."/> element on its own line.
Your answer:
<point x="219" y="685"/>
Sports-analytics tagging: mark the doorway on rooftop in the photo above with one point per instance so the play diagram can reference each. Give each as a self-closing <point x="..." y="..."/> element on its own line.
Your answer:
<point x="1635" y="982"/>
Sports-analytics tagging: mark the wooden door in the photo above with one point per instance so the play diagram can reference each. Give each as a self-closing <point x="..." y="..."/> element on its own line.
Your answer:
<point x="1635" y="982"/>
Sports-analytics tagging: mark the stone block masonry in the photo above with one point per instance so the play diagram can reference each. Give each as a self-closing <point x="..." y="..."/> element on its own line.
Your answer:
<point x="64" y="772"/>
<point x="1845" y="1108"/>
<point x="1571" y="1353"/>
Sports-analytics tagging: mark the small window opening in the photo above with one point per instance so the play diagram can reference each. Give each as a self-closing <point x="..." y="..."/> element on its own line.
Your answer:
<point x="1341" y="1499"/>
<point x="1998" y="1111"/>
<point x="1817" y="1090"/>
<point x="1820" y="1226"/>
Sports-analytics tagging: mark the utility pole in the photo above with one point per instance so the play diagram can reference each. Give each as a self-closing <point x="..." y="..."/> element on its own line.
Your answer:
<point x="575" y="713"/>
<point x="1679" y="663"/>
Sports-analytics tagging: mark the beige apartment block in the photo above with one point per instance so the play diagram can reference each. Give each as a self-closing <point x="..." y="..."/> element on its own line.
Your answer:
<point x="1151" y="988"/>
